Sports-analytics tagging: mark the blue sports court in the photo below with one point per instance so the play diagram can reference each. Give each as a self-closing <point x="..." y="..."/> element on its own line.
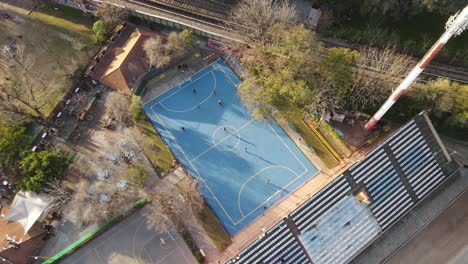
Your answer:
<point x="243" y="166"/>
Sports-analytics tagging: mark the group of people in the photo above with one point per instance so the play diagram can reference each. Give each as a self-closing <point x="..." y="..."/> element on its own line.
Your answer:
<point x="182" y="67"/>
<point x="220" y="102"/>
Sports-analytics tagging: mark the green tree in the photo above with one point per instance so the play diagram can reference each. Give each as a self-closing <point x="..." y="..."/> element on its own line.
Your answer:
<point x="101" y="30"/>
<point x="13" y="142"/>
<point x="187" y="38"/>
<point x="39" y="168"/>
<point x="279" y="69"/>
<point x="337" y="67"/>
<point x="136" y="108"/>
<point x="448" y="100"/>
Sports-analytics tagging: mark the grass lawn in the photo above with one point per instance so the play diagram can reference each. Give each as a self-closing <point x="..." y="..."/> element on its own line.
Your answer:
<point x="335" y="140"/>
<point x="413" y="35"/>
<point x="65" y="18"/>
<point x="214" y="229"/>
<point x="295" y="118"/>
<point x="154" y="147"/>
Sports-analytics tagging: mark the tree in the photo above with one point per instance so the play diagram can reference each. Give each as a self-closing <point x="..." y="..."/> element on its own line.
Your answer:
<point x="187" y="37"/>
<point x="254" y="18"/>
<point x="96" y="202"/>
<point x="38" y="168"/>
<point x="59" y="193"/>
<point x="178" y="43"/>
<point x="13" y="142"/>
<point x="136" y="108"/>
<point x="173" y="206"/>
<point x="102" y="31"/>
<point x="448" y="100"/>
<point x="156" y="51"/>
<point x="119" y="106"/>
<point x="111" y="14"/>
<point x="443" y="6"/>
<point x="175" y="44"/>
<point x="279" y="70"/>
<point x="23" y="94"/>
<point x="336" y="67"/>
<point x="377" y="72"/>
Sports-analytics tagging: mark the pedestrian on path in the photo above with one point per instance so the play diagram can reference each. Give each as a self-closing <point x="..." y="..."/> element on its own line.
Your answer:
<point x="224" y="128"/>
<point x="194" y="91"/>
<point x="245" y="149"/>
<point x="183" y="129"/>
<point x="220" y="102"/>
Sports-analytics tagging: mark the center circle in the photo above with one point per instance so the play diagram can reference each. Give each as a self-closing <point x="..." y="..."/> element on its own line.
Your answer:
<point x="226" y="138"/>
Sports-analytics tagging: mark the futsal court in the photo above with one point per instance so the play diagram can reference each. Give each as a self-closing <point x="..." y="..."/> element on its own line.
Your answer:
<point x="243" y="166"/>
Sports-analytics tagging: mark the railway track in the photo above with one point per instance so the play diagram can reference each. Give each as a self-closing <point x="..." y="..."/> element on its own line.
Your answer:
<point x="213" y="14"/>
<point x="433" y="70"/>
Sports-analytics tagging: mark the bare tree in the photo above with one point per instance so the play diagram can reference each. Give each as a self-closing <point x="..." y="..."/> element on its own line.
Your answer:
<point x="119" y="106"/>
<point x="173" y="206"/>
<point x="97" y="202"/>
<point x="175" y="44"/>
<point x="254" y="17"/>
<point x="325" y="98"/>
<point x="59" y="193"/>
<point x="23" y="95"/>
<point x="112" y="14"/>
<point x="377" y="72"/>
<point x="156" y="51"/>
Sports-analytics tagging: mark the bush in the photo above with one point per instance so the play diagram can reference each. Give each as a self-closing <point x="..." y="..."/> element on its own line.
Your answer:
<point x="187" y="37"/>
<point x="101" y="31"/>
<point x="136" y="108"/>
<point x="39" y="168"/>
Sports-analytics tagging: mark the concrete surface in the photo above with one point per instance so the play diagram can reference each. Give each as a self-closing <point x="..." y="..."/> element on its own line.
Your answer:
<point x="130" y="242"/>
<point x="444" y="240"/>
<point x="414" y="221"/>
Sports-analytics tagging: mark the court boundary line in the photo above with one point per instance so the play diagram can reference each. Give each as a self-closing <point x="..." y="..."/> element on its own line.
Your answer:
<point x="186" y="82"/>
<point x="191" y="161"/>
<point x="197" y="105"/>
<point x="234" y="134"/>
<point x="275" y="193"/>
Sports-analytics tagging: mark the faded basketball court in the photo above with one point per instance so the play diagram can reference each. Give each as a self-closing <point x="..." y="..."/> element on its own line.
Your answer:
<point x="130" y="242"/>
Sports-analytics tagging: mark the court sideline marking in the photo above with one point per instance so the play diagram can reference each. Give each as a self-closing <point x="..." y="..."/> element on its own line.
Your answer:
<point x="197" y="105"/>
<point x="191" y="161"/>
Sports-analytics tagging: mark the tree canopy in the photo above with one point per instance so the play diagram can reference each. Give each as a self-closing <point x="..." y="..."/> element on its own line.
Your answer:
<point x="279" y="69"/>
<point x="13" y="142"/>
<point x="112" y="14"/>
<point x="102" y="30"/>
<point x="392" y="8"/>
<point x="254" y="18"/>
<point x="136" y="108"/>
<point x="39" y="168"/>
<point x="156" y="52"/>
<point x="448" y="100"/>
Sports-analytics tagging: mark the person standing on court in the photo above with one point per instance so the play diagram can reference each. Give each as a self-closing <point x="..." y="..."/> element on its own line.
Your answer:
<point x="220" y="102"/>
<point x="194" y="90"/>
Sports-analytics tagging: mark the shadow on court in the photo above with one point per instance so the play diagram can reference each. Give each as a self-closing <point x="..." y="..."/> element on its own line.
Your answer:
<point x="130" y="242"/>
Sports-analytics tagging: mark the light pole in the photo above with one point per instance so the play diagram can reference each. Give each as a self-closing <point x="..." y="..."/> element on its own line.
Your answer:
<point x="454" y="27"/>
